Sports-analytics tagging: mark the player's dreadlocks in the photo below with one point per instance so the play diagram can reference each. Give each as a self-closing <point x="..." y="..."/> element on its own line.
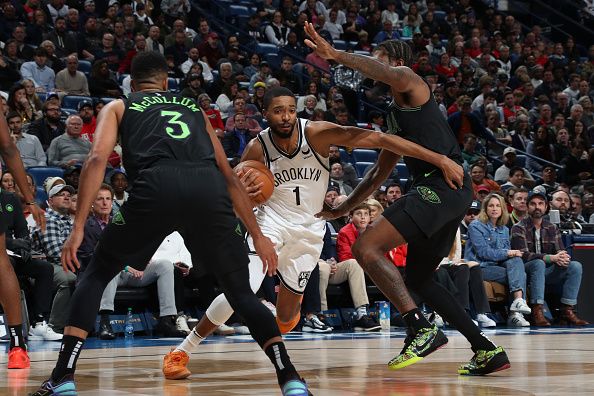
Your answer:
<point x="396" y="49"/>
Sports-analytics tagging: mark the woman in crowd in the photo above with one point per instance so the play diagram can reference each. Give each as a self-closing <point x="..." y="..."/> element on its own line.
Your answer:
<point x="489" y="244"/>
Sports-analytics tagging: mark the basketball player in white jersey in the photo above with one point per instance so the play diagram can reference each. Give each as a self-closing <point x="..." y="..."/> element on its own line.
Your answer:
<point x="296" y="151"/>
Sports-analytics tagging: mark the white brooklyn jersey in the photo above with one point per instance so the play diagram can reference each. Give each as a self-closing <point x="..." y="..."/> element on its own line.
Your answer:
<point x="300" y="181"/>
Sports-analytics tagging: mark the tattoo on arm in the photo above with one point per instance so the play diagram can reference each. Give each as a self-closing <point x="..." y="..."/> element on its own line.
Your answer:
<point x="398" y="78"/>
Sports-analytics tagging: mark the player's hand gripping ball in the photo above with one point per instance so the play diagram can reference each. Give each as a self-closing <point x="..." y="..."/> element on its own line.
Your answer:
<point x="260" y="175"/>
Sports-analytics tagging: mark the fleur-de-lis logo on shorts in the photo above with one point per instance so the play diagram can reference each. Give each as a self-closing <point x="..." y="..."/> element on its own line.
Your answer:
<point x="428" y="195"/>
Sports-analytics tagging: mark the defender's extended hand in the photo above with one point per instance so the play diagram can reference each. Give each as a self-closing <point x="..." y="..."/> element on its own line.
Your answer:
<point x="453" y="173"/>
<point x="265" y="249"/>
<point x="318" y="44"/>
<point x="69" y="260"/>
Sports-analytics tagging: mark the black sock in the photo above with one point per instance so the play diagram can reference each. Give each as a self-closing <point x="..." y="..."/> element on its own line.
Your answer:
<point x="16" y="336"/>
<point x="416" y="320"/>
<point x="443" y="302"/>
<point x="105" y="316"/>
<point x="69" y="353"/>
<point x="285" y="371"/>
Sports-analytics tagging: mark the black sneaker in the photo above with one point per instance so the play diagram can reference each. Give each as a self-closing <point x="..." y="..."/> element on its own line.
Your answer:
<point x="106" y="331"/>
<point x="424" y="342"/>
<point x="167" y="327"/>
<point x="365" y="323"/>
<point x="64" y="387"/>
<point x="486" y="362"/>
<point x="315" y="325"/>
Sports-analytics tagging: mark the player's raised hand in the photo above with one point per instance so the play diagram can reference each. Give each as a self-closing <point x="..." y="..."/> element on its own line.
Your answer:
<point x="265" y="249"/>
<point x="318" y="44"/>
<point x="453" y="173"/>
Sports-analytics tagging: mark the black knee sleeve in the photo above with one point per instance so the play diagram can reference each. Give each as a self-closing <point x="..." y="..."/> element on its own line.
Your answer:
<point x="244" y="302"/>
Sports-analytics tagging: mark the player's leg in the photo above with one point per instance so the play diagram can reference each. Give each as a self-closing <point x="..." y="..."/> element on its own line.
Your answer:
<point x="218" y="312"/>
<point x="288" y="308"/>
<point x="10" y="293"/>
<point x="420" y="266"/>
<point x="127" y="241"/>
<point x="369" y="251"/>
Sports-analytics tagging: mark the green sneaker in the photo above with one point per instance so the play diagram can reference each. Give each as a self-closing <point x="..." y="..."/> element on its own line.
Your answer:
<point x="423" y="343"/>
<point x="486" y="362"/>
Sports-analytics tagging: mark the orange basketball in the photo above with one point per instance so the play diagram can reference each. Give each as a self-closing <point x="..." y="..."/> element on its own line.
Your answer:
<point x="265" y="177"/>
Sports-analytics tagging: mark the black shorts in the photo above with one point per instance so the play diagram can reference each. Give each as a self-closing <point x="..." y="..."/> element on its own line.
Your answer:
<point x="429" y="215"/>
<point x="192" y="200"/>
<point x="3" y="224"/>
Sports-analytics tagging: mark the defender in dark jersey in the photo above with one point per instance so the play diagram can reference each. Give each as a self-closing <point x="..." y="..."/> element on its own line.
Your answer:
<point x="10" y="296"/>
<point x="426" y="218"/>
<point x="181" y="181"/>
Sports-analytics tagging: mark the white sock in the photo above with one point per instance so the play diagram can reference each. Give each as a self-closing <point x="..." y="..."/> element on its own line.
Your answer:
<point x="361" y="311"/>
<point x="190" y="343"/>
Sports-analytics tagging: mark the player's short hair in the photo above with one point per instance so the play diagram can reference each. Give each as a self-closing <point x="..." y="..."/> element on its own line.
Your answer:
<point x="147" y="65"/>
<point x="395" y="50"/>
<point x="275" y="93"/>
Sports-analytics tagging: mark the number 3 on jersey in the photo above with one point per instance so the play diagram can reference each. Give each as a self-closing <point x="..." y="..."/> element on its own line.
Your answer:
<point x="174" y="119"/>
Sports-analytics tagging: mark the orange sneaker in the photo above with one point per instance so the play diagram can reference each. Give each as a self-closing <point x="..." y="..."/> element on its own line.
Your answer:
<point x="174" y="365"/>
<point x="18" y="358"/>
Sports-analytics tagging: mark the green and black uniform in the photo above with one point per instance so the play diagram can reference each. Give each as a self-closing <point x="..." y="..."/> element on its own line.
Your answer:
<point x="429" y="215"/>
<point x="176" y="186"/>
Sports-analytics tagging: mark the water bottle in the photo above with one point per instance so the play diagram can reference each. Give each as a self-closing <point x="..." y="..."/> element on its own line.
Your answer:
<point x="129" y="326"/>
<point x="384" y="314"/>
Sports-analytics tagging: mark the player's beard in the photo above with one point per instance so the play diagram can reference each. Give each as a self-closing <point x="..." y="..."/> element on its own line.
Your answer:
<point x="281" y="134"/>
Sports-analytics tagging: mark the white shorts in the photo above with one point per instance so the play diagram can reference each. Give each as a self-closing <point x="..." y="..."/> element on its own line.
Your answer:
<point x="298" y="249"/>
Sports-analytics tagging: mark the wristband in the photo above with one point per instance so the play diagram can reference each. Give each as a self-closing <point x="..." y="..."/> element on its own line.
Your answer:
<point x="126" y="269"/>
<point x="547" y="258"/>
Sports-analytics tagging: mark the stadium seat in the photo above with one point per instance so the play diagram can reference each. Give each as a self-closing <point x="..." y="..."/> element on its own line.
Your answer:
<point x="274" y="60"/>
<point x="84" y="66"/>
<point x="239" y="10"/>
<point x="40" y="195"/>
<point x="42" y="96"/>
<point x="266" y="48"/>
<point x="72" y="101"/>
<point x="521" y="160"/>
<point x="361" y="167"/>
<point x="107" y="100"/>
<point x="173" y="84"/>
<point x="402" y="170"/>
<point x="439" y="15"/>
<point x="69" y="111"/>
<point x="364" y="155"/>
<point x="340" y="45"/>
<point x="345" y="156"/>
<point x="40" y="173"/>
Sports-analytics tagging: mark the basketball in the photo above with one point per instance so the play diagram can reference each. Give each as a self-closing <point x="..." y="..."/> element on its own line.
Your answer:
<point x="265" y="177"/>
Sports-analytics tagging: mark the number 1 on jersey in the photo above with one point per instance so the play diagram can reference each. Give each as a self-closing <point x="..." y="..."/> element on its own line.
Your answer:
<point x="297" y="197"/>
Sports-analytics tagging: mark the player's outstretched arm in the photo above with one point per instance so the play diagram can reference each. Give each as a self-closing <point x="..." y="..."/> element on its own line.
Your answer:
<point x="91" y="177"/>
<point x="243" y="204"/>
<point x="327" y="133"/>
<point x="380" y="171"/>
<point x="12" y="157"/>
<point x="400" y="78"/>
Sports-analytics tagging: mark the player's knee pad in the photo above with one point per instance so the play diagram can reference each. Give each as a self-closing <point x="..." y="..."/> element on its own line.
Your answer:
<point x="219" y="311"/>
<point x="285" y="327"/>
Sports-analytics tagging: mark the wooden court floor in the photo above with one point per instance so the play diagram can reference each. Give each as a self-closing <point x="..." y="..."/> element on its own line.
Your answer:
<point x="544" y="362"/>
